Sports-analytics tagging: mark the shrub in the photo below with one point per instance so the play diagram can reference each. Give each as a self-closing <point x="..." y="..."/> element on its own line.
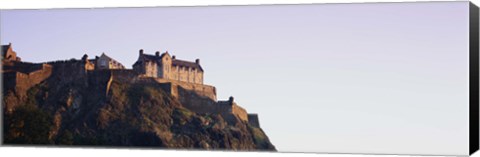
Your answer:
<point x="27" y="125"/>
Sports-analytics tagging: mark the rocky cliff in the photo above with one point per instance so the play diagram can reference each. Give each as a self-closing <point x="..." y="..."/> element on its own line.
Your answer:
<point x="74" y="106"/>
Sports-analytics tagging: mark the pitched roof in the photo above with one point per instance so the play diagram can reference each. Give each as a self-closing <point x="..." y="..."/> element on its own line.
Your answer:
<point x="183" y="63"/>
<point x="146" y="57"/>
<point x="152" y="57"/>
<point x="175" y="62"/>
<point x="108" y="57"/>
<point x="112" y="60"/>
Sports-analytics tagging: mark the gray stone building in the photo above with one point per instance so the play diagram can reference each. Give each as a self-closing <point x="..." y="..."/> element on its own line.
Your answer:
<point x="106" y="62"/>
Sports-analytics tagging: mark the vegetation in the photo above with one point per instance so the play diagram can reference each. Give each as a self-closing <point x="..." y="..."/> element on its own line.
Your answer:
<point x="66" y="138"/>
<point x="27" y="125"/>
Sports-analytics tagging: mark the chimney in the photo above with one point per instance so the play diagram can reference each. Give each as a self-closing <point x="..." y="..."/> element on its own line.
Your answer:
<point x="197" y="61"/>
<point x="173" y="57"/>
<point x="141" y="52"/>
<point x="157" y="53"/>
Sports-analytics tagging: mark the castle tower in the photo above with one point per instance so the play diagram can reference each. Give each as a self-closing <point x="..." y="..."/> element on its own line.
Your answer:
<point x="230" y="100"/>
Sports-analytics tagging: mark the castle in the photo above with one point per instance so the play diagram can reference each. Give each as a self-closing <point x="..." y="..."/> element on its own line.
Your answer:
<point x="168" y="67"/>
<point x="183" y="80"/>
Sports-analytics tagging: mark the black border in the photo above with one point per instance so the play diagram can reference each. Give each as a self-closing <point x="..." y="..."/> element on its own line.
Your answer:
<point x="474" y="79"/>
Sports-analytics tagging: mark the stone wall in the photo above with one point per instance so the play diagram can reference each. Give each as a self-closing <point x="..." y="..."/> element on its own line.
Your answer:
<point x="123" y="75"/>
<point x="165" y="67"/>
<point x="103" y="78"/>
<point x="202" y="98"/>
<point x="24" y="67"/>
<point x="231" y="107"/>
<point x="69" y="71"/>
<point x="147" y="69"/>
<point x="239" y="111"/>
<point x="253" y="120"/>
<point x="187" y="74"/>
<point x="21" y="82"/>
<point x="199" y="77"/>
<point x="202" y="90"/>
<point x="38" y="76"/>
<point x="151" y="69"/>
<point x="23" y="75"/>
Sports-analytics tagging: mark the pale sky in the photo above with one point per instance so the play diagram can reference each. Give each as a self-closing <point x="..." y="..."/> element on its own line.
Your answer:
<point x="339" y="78"/>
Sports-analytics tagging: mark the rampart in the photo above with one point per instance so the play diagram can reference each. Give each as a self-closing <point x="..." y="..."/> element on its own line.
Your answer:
<point x="103" y="78"/>
<point x="202" y="98"/>
<point x="69" y="69"/>
<point x="253" y="120"/>
<point x="202" y="90"/>
<point x="230" y="106"/>
<point x="124" y="75"/>
<point x="24" y="67"/>
<point x="22" y="78"/>
<point x="239" y="111"/>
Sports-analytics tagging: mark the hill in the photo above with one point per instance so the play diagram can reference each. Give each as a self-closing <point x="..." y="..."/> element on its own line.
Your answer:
<point x="74" y="106"/>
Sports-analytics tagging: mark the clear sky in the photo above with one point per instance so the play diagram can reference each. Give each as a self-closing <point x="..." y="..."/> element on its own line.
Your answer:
<point x="351" y="78"/>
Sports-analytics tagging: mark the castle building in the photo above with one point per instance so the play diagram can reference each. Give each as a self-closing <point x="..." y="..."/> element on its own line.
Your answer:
<point x="8" y="53"/>
<point x="168" y="67"/>
<point x="106" y="62"/>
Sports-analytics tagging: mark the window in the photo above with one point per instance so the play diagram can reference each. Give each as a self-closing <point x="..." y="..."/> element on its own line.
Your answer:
<point x="103" y="63"/>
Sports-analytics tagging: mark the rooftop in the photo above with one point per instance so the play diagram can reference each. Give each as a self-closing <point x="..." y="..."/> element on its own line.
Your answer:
<point x="175" y="62"/>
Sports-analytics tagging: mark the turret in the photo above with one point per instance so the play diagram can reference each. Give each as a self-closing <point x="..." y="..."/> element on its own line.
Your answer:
<point x="230" y="100"/>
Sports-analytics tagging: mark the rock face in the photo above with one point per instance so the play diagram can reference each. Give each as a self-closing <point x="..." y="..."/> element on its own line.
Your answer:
<point x="74" y="106"/>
